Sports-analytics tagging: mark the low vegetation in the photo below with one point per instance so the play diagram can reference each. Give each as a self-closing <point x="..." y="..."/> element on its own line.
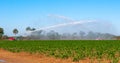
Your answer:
<point x="75" y="49"/>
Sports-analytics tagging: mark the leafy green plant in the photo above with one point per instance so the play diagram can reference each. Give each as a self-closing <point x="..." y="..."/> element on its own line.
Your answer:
<point x="75" y="49"/>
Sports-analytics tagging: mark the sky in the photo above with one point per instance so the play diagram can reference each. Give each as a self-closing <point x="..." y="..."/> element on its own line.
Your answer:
<point x="42" y="13"/>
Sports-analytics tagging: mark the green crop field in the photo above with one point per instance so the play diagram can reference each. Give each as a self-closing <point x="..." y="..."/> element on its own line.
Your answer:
<point x="75" y="49"/>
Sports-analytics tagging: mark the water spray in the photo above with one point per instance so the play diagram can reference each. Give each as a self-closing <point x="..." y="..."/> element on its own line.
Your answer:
<point x="71" y="22"/>
<point x="63" y="25"/>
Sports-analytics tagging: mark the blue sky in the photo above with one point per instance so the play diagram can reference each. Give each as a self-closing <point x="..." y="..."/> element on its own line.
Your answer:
<point x="34" y="13"/>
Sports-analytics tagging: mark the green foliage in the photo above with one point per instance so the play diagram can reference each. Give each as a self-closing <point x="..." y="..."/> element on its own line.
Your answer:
<point x="1" y="32"/>
<point x="30" y="29"/>
<point x="75" y="49"/>
<point x="15" y="31"/>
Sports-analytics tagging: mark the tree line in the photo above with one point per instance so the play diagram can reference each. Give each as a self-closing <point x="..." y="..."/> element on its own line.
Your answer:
<point x="53" y="35"/>
<point x="81" y="35"/>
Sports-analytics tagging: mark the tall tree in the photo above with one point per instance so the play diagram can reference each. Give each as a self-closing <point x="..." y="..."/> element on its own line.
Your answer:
<point x="74" y="35"/>
<point x="82" y="34"/>
<point x="91" y="35"/>
<point x="53" y="35"/>
<point x="1" y="32"/>
<point x="15" y="31"/>
<point x="28" y="29"/>
<point x="33" y="29"/>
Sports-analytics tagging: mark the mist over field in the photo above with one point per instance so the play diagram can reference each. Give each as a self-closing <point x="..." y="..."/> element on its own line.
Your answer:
<point x="62" y="17"/>
<point x="60" y="31"/>
<point x="63" y="23"/>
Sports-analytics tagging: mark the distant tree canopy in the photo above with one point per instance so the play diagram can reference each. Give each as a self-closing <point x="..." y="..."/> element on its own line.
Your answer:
<point x="1" y="32"/>
<point x="117" y="37"/>
<point x="15" y="31"/>
<point x="53" y="35"/>
<point x="30" y="29"/>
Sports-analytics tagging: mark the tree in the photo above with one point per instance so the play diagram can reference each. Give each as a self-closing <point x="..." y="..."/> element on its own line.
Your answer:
<point x="36" y="34"/>
<point x="1" y="32"/>
<point x="108" y="36"/>
<point x="66" y="36"/>
<point x="91" y="35"/>
<point x="74" y="35"/>
<point x="53" y="35"/>
<point x="82" y="34"/>
<point x="32" y="35"/>
<point x="5" y="37"/>
<point x="15" y="31"/>
<point x="28" y="29"/>
<point x="33" y="29"/>
<point x="117" y="37"/>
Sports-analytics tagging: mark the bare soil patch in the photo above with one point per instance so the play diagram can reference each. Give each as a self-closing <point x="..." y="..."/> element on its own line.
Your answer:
<point x="22" y="57"/>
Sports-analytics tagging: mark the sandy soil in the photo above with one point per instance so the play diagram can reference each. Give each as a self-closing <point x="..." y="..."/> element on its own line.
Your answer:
<point x="22" y="57"/>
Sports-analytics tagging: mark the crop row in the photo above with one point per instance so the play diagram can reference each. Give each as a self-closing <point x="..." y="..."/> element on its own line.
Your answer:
<point x="75" y="49"/>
